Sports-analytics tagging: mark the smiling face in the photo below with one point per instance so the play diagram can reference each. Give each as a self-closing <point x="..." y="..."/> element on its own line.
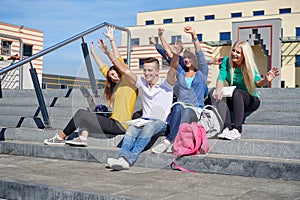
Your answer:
<point x="189" y="59"/>
<point x="237" y="55"/>
<point x="151" y="72"/>
<point x="114" y="76"/>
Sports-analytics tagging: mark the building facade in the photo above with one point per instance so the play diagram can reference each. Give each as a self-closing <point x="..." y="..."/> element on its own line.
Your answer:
<point x="214" y="27"/>
<point x="19" y="42"/>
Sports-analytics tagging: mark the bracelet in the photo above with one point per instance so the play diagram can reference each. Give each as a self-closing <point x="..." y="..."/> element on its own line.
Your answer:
<point x="194" y="40"/>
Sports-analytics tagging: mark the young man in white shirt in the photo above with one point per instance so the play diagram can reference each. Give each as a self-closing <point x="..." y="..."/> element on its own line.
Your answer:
<point x="156" y="95"/>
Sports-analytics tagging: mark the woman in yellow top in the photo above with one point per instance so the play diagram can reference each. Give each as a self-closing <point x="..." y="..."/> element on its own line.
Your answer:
<point x="120" y="96"/>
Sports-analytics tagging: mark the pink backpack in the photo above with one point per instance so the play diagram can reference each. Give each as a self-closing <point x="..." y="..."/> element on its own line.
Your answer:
<point x="190" y="139"/>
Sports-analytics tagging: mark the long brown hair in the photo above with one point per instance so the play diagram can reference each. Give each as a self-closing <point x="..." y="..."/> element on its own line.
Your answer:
<point x="248" y="66"/>
<point x="110" y="86"/>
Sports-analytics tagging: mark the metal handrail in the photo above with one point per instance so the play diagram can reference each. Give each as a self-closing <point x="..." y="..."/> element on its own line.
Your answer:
<point x="53" y="48"/>
<point x="70" y="40"/>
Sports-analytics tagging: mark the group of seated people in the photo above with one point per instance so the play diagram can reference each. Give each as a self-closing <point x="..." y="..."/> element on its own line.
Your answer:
<point x="186" y="79"/>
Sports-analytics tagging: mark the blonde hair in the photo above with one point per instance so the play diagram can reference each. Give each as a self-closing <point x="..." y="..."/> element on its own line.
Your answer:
<point x="248" y="65"/>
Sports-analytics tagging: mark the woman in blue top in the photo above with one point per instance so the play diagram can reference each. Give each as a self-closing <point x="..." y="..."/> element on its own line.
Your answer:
<point x="240" y="70"/>
<point x="190" y="88"/>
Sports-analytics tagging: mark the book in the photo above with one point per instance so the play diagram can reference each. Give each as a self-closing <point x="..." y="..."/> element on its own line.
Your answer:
<point x="138" y="122"/>
<point x="227" y="91"/>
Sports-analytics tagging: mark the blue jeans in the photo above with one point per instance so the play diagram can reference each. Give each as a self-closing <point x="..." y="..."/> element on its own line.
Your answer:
<point x="137" y="138"/>
<point x="179" y="115"/>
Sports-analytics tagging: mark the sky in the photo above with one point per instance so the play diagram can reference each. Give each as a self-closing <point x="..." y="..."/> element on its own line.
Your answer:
<point x="62" y="19"/>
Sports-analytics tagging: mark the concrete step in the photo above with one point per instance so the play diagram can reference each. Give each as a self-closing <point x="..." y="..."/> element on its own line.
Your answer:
<point x="38" y="178"/>
<point x="271" y="132"/>
<point x="279" y="93"/>
<point x="39" y="135"/>
<point x="274" y="117"/>
<point x="288" y="105"/>
<point x="46" y="93"/>
<point x="257" y="148"/>
<point x="32" y="122"/>
<point x="31" y="111"/>
<point x="277" y="168"/>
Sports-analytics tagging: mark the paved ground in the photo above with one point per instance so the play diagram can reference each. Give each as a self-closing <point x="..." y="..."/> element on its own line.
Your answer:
<point x="39" y="178"/>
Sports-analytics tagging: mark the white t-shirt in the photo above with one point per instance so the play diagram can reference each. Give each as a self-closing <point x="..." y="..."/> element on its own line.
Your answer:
<point x="156" y="101"/>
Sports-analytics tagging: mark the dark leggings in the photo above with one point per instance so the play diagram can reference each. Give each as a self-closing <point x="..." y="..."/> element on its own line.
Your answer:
<point x="92" y="122"/>
<point x="240" y="102"/>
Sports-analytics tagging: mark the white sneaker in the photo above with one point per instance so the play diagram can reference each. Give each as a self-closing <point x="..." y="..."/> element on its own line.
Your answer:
<point x="110" y="161"/>
<point x="78" y="141"/>
<point x="161" y="147"/>
<point x="234" y="134"/>
<point x="119" y="164"/>
<point x="54" y="141"/>
<point x="224" y="132"/>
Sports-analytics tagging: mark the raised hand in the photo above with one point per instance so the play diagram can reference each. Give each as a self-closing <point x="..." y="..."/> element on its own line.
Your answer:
<point x="152" y="40"/>
<point x="103" y="46"/>
<point x="189" y="29"/>
<point x="270" y="75"/>
<point x="177" y="47"/>
<point x="109" y="32"/>
<point x="161" y="31"/>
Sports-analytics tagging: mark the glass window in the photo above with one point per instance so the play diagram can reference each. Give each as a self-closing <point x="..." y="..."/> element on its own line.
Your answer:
<point x="141" y="63"/>
<point x="209" y="17"/>
<point x="168" y="21"/>
<point x="189" y="19"/>
<point x="258" y="12"/>
<point x="5" y="47"/>
<point x="135" y="41"/>
<point x="149" y="22"/>
<point x="233" y="15"/>
<point x="27" y="50"/>
<point x="285" y="10"/>
<point x="297" y="31"/>
<point x="155" y="39"/>
<point x="297" y="63"/>
<point x="199" y="36"/>
<point x="174" y="38"/>
<point x="224" y="36"/>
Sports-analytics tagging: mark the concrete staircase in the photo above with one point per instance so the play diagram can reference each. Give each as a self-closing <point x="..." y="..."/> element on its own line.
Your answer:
<point x="269" y="148"/>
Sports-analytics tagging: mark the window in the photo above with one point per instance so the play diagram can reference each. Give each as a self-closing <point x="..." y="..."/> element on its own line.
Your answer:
<point x="135" y="41"/>
<point x="297" y="63"/>
<point x="5" y="47"/>
<point x="233" y="15"/>
<point x="258" y="12"/>
<point x="149" y="22"/>
<point x="27" y="50"/>
<point x="168" y="21"/>
<point x="189" y="19"/>
<point x="141" y="63"/>
<point x="209" y="17"/>
<point x="285" y="10"/>
<point x="155" y="40"/>
<point x="174" y="38"/>
<point x="224" y="36"/>
<point x="199" y="36"/>
<point x="297" y="31"/>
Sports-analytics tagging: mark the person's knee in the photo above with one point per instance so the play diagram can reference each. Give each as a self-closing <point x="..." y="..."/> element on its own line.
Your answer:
<point x="81" y="112"/>
<point x="177" y="108"/>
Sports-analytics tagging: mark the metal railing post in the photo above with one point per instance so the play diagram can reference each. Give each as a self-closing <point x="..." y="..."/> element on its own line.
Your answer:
<point x="89" y="67"/>
<point x="39" y="95"/>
